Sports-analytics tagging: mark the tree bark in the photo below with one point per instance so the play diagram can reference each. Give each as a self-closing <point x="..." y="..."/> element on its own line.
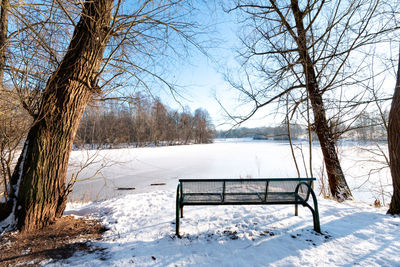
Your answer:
<point x="39" y="177"/>
<point x="394" y="146"/>
<point x="3" y="38"/>
<point x="337" y="182"/>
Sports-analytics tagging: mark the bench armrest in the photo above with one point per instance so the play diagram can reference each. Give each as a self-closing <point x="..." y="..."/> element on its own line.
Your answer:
<point x="309" y="190"/>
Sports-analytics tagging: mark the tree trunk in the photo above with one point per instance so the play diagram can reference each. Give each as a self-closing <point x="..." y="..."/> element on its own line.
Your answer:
<point x="394" y="146"/>
<point x="4" y="207"/>
<point x="337" y="182"/>
<point x="39" y="177"/>
<point x="3" y="38"/>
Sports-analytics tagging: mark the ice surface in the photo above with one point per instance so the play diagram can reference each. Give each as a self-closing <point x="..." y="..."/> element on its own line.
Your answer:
<point x="235" y="158"/>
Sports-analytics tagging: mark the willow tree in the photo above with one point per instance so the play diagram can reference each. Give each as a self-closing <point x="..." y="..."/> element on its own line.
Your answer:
<point x="106" y="44"/>
<point x="307" y="51"/>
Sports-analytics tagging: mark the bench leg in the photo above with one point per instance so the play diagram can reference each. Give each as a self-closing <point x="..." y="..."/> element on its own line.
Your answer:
<point x="317" y="227"/>
<point x="177" y="221"/>
<point x="296" y="210"/>
<point x="178" y="208"/>
<point x="181" y="209"/>
<point x="315" y="213"/>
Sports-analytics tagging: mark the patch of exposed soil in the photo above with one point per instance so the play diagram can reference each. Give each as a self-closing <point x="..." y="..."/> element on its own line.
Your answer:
<point x="58" y="241"/>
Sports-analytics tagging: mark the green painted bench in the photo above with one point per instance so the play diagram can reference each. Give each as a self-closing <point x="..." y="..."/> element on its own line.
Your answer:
<point x="273" y="191"/>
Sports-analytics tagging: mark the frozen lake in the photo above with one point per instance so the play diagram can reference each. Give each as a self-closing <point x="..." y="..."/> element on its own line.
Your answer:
<point x="232" y="158"/>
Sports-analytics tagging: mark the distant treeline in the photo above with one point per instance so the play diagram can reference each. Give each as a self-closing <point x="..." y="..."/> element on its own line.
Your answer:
<point x="367" y="126"/>
<point x="279" y="132"/>
<point x="142" y="121"/>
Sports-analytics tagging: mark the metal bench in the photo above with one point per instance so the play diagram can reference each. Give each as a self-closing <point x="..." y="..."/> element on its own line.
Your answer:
<point x="273" y="191"/>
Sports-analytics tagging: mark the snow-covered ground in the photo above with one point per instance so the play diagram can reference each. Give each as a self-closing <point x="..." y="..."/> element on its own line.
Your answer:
<point x="142" y="233"/>
<point x="142" y="221"/>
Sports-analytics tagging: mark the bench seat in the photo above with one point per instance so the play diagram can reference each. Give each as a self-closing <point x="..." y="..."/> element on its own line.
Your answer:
<point x="260" y="191"/>
<point x="259" y="198"/>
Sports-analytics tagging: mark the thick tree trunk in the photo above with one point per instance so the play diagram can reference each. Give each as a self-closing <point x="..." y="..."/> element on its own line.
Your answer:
<point x="337" y="182"/>
<point x="394" y="146"/>
<point x="39" y="177"/>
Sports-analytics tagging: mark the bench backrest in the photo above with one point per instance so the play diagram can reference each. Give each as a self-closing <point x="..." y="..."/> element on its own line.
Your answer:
<point x="245" y="190"/>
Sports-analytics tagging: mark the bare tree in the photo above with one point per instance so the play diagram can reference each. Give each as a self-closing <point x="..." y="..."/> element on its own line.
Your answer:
<point x="202" y="126"/>
<point x="14" y="123"/>
<point x="4" y="6"/>
<point x="158" y="122"/>
<point x="39" y="177"/>
<point x="100" y="43"/>
<point x="394" y="145"/>
<point x="186" y="127"/>
<point x="5" y="143"/>
<point x="307" y="51"/>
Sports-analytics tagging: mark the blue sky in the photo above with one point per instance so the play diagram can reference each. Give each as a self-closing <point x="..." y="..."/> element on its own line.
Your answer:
<point x="201" y="79"/>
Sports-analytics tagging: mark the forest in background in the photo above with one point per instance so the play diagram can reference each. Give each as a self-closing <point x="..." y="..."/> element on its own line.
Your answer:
<point x="367" y="126"/>
<point x="142" y="121"/>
